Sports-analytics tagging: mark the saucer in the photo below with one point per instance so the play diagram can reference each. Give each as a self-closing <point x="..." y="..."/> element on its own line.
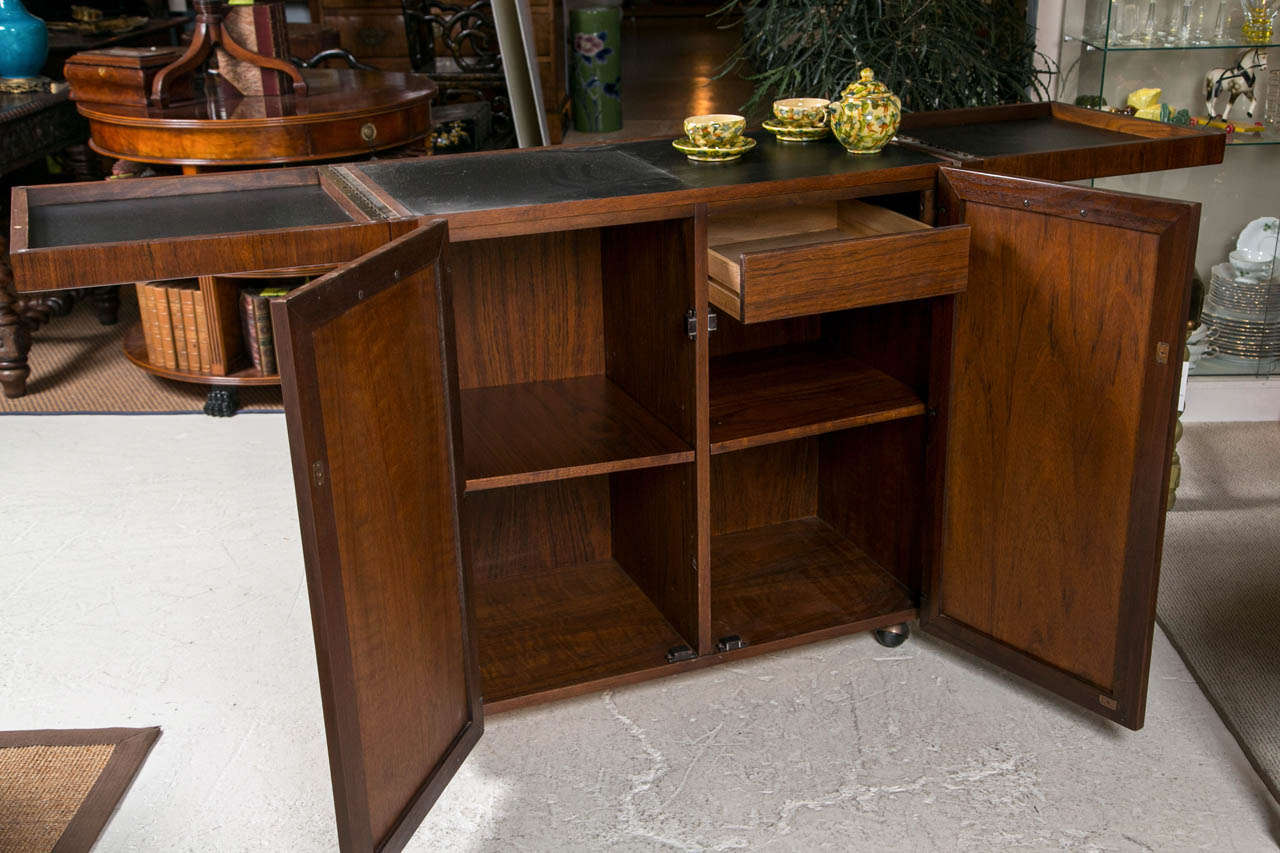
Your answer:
<point x="785" y="133"/>
<point x="694" y="151"/>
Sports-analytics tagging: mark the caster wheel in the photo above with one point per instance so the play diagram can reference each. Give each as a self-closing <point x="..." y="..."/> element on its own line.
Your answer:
<point x="893" y="636"/>
<point x="221" y="402"/>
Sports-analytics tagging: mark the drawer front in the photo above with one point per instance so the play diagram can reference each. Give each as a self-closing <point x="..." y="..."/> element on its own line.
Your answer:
<point x="371" y="34"/>
<point x="854" y="273"/>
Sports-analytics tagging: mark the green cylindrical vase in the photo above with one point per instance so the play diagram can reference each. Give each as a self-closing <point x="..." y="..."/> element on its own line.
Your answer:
<point x="595" y="72"/>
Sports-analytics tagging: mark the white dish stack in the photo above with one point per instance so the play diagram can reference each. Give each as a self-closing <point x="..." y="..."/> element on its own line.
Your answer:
<point x="1241" y="314"/>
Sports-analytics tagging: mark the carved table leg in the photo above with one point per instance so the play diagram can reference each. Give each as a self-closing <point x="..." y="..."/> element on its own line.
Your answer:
<point x="15" y="339"/>
<point x="222" y="402"/>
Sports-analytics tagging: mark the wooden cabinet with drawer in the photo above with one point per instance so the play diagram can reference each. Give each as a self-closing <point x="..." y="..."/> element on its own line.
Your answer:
<point x="527" y="468"/>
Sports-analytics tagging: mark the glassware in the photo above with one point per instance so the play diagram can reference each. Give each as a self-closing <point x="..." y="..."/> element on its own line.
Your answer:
<point x="1126" y="31"/>
<point x="1258" y="17"/>
<point x="1151" y="32"/>
<point x="1220" y="23"/>
<point x="1271" y="106"/>
<point x="1184" y="22"/>
<point x="1200" y="33"/>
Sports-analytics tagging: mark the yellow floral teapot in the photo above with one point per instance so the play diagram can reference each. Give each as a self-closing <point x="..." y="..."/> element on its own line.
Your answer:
<point x="866" y="116"/>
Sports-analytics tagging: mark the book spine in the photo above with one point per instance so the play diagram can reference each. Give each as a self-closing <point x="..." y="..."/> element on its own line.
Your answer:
<point x="179" y="331"/>
<point x="148" y="327"/>
<point x="248" y="312"/>
<point x="266" y="345"/>
<point x="160" y="308"/>
<point x="187" y="294"/>
<point x="203" y="340"/>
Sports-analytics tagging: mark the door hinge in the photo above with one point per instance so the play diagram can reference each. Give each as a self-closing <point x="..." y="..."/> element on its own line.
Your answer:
<point x="1108" y="702"/>
<point x="730" y="642"/>
<point x="317" y="473"/>
<point x="675" y="654"/>
<point x="1162" y="353"/>
<point x="691" y="322"/>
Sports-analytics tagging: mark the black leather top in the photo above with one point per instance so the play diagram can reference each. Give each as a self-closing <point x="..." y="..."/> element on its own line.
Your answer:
<point x="1022" y="136"/>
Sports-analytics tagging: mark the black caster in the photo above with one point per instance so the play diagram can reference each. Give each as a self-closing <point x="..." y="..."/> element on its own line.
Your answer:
<point x="221" y="402"/>
<point x="893" y="636"/>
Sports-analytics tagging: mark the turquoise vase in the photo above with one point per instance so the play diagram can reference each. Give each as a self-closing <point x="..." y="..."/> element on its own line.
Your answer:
<point x="24" y="41"/>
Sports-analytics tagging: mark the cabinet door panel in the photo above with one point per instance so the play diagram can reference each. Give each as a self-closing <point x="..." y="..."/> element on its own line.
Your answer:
<point x="1066" y="365"/>
<point x="370" y="393"/>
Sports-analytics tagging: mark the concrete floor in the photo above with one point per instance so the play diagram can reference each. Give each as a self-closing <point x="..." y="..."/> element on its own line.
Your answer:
<point x="152" y="575"/>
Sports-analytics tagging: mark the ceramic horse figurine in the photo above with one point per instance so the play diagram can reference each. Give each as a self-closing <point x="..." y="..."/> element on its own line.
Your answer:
<point x="1235" y="81"/>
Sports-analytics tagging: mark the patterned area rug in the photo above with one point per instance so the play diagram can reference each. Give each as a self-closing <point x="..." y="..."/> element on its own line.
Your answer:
<point x="58" y="788"/>
<point x="78" y="367"/>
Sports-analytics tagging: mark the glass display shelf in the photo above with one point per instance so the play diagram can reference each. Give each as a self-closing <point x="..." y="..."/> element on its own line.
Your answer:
<point x="1099" y="43"/>
<point x="1269" y="136"/>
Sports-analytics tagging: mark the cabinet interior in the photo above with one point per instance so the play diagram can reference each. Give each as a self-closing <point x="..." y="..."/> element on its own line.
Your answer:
<point x="579" y="390"/>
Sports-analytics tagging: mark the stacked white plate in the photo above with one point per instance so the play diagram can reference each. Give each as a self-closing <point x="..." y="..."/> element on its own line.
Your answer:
<point x="1242" y="313"/>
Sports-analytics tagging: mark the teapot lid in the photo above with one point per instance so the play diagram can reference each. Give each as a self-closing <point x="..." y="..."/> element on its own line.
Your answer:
<point x="866" y="86"/>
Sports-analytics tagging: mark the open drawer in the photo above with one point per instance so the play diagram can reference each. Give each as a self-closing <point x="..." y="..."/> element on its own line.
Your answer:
<point x="1058" y="142"/>
<point x="114" y="232"/>
<point x="810" y="259"/>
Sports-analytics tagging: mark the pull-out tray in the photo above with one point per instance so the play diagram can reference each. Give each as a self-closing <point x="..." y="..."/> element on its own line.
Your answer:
<point x="112" y="232"/>
<point x="1058" y="142"/>
<point x="810" y="259"/>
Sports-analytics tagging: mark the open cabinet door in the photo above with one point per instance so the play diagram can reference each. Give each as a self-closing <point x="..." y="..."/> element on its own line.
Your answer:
<point x="1067" y="354"/>
<point x="371" y="401"/>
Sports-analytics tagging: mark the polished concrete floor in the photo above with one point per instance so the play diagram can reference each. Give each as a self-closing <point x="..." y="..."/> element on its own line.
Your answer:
<point x="151" y="574"/>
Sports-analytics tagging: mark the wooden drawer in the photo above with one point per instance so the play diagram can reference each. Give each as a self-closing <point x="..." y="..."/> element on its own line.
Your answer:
<point x="370" y="34"/>
<point x="811" y="259"/>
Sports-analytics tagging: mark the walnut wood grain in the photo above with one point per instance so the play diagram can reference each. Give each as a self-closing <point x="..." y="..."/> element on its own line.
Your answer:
<point x="764" y="485"/>
<point x="538" y="431"/>
<point x="366" y="362"/>
<point x="1050" y="567"/>
<point x="528" y="308"/>
<point x="766" y="396"/>
<point x="764" y="266"/>
<point x="795" y="578"/>
<point x="1059" y="142"/>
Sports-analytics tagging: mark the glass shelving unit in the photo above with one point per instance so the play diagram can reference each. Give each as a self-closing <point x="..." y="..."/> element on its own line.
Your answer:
<point x="1109" y="50"/>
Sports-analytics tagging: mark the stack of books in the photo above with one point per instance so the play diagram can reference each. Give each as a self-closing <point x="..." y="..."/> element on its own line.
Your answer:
<point x="259" y="340"/>
<point x="175" y="326"/>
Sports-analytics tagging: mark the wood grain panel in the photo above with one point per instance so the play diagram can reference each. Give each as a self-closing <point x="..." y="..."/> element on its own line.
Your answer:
<point x="765" y="396"/>
<point x="1060" y="432"/>
<point x="538" y="431"/>
<point x="365" y="367"/>
<point x="871" y="489"/>
<point x="546" y="631"/>
<point x="655" y="540"/>
<point x="531" y="528"/>
<point x="764" y="486"/>
<point x="528" y="308"/>
<point x="795" y="578"/>
<point x="648" y="288"/>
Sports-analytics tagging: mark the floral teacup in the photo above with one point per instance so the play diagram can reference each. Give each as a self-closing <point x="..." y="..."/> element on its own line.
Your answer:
<point x="715" y="131"/>
<point x="801" y="112"/>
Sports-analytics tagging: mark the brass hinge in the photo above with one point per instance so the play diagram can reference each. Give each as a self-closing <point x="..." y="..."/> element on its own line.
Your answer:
<point x="317" y="473"/>
<point x="1108" y="702"/>
<point x="1162" y="353"/>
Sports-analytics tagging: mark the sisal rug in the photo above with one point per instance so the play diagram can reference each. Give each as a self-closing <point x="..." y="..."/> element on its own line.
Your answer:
<point x="78" y="367"/>
<point x="1220" y="582"/>
<point x="58" y="788"/>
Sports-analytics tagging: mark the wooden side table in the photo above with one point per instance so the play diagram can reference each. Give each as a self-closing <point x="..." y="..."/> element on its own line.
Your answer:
<point x="344" y="114"/>
<point x="34" y="125"/>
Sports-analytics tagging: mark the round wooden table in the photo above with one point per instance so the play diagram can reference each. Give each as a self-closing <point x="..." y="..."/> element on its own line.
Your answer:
<point x="343" y="114"/>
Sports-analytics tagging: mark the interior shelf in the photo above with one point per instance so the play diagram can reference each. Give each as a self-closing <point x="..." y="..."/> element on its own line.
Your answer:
<point x="796" y="578"/>
<point x="563" y="626"/>
<point x="534" y="432"/>
<point x="765" y="396"/>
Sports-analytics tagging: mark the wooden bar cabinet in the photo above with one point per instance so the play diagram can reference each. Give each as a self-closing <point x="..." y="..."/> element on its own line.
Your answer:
<point x="526" y="466"/>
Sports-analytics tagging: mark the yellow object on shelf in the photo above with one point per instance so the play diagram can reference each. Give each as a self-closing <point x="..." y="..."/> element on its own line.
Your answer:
<point x="1144" y="98"/>
<point x="1153" y="112"/>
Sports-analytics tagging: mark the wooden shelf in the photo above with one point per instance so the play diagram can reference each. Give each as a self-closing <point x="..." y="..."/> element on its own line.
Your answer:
<point x="766" y="396"/>
<point x="135" y="349"/>
<point x="539" y="431"/>
<point x="796" y="579"/>
<point x="563" y="628"/>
